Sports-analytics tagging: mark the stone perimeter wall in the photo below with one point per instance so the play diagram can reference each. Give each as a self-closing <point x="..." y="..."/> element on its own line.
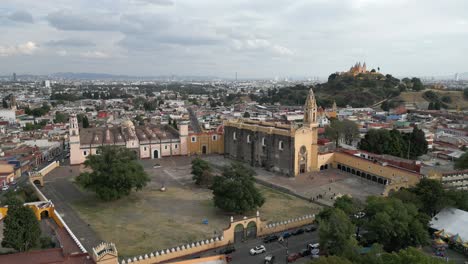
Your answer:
<point x="263" y="228"/>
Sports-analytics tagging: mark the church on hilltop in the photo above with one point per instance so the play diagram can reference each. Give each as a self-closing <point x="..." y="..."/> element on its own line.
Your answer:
<point x="357" y="69"/>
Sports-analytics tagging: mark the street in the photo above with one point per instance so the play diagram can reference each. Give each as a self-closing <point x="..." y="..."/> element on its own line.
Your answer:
<point x="280" y="250"/>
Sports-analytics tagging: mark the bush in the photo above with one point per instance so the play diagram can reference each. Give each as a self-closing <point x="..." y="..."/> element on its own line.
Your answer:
<point x="47" y="242"/>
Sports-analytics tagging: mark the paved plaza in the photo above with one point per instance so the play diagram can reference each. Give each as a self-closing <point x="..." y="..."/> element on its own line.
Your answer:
<point x="328" y="183"/>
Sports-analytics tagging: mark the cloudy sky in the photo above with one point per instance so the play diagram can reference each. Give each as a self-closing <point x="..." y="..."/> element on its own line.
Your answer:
<point x="256" y="38"/>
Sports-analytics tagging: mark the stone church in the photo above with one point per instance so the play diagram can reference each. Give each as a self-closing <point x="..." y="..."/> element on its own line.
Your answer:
<point x="284" y="148"/>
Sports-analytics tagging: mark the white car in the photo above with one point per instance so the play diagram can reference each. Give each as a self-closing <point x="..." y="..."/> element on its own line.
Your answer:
<point x="257" y="250"/>
<point x="157" y="165"/>
<point x="5" y="188"/>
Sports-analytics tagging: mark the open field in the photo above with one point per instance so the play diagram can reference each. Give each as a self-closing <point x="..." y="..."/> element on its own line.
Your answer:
<point x="150" y="219"/>
<point x="456" y="97"/>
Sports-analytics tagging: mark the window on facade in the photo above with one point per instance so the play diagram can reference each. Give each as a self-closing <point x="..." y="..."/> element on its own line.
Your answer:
<point x="263" y="142"/>
<point x="234" y="136"/>
<point x="145" y="148"/>
<point x="281" y="145"/>
<point x="194" y="139"/>
<point x="85" y="153"/>
<point x="165" y="147"/>
<point x="175" y="146"/>
<point x="248" y="138"/>
<point x="214" y="138"/>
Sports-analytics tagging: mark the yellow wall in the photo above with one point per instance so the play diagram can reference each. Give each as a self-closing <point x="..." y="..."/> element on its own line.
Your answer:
<point x="228" y="238"/>
<point x="206" y="139"/>
<point x="375" y="168"/>
<point x="325" y="158"/>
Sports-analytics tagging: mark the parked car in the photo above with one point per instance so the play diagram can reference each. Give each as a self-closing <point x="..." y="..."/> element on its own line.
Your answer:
<point x="311" y="228"/>
<point x="269" y="259"/>
<point x="228" y="258"/>
<point x="257" y="250"/>
<point x="298" y="232"/>
<point x="305" y="252"/>
<point x="293" y="257"/>
<point x="270" y="238"/>
<point x="286" y="235"/>
<point x="227" y="250"/>
<point x="157" y="165"/>
<point x="5" y="188"/>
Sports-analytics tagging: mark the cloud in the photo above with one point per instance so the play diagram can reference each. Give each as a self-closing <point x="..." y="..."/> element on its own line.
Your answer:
<point x="264" y="45"/>
<point x="27" y="48"/>
<point x="21" y="16"/>
<point x="66" y="20"/>
<point x="62" y="53"/>
<point x="94" y="55"/>
<point x="157" y="2"/>
<point x="70" y="43"/>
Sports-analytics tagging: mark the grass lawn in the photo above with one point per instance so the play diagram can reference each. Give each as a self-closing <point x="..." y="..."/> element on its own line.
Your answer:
<point x="151" y="220"/>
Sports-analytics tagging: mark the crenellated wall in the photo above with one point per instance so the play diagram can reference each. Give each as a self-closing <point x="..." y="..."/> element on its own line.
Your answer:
<point x="263" y="228"/>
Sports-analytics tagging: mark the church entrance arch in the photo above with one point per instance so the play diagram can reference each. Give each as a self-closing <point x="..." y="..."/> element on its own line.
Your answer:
<point x="156" y="154"/>
<point x="44" y="214"/>
<point x="203" y="149"/>
<point x="238" y="233"/>
<point x="251" y="230"/>
<point x="302" y="159"/>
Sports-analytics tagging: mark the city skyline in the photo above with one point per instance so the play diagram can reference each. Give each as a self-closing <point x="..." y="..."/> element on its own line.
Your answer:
<point x="212" y="38"/>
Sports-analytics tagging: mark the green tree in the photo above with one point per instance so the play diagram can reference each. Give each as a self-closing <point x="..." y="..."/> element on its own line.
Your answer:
<point x="417" y="84"/>
<point x="462" y="162"/>
<point x="85" y="122"/>
<point x="235" y="191"/>
<point x="115" y="173"/>
<point x="331" y="260"/>
<point x="60" y="117"/>
<point x="350" y="131"/>
<point x="246" y="114"/>
<point x="201" y="172"/>
<point x="21" y="227"/>
<point x="431" y="193"/>
<point x="465" y="93"/>
<point x="385" y="106"/>
<point x="4" y="103"/>
<point x="410" y="255"/>
<point x="335" y="232"/>
<point x="394" y="224"/>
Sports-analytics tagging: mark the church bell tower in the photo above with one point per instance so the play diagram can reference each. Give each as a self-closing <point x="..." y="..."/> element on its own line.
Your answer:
<point x="310" y="110"/>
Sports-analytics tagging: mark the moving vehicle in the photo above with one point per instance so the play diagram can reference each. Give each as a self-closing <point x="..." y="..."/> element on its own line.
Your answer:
<point x="270" y="238"/>
<point x="313" y="246"/>
<point x="269" y="259"/>
<point x="298" y="232"/>
<point x="257" y="250"/>
<point x="293" y="257"/>
<point x="227" y="250"/>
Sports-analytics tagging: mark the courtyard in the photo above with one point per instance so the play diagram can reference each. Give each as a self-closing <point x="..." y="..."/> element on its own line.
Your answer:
<point x="152" y="219"/>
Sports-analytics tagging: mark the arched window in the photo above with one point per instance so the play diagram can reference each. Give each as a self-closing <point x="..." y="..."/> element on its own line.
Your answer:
<point x="215" y="137"/>
<point x="234" y="136"/>
<point x="194" y="139"/>
<point x="248" y="138"/>
<point x="263" y="142"/>
<point x="280" y="145"/>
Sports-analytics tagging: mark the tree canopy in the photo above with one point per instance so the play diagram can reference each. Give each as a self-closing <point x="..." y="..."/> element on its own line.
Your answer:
<point x="462" y="162"/>
<point x="394" y="224"/>
<point x="342" y="129"/>
<point x="335" y="232"/>
<point x="115" y="173"/>
<point x="21" y="227"/>
<point x="392" y="142"/>
<point x="201" y="172"/>
<point x="235" y="191"/>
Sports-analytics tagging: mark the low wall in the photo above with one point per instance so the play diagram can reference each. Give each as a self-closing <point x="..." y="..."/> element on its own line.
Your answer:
<point x="49" y="168"/>
<point x="212" y="259"/>
<point x="286" y="225"/>
<point x="263" y="228"/>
